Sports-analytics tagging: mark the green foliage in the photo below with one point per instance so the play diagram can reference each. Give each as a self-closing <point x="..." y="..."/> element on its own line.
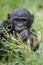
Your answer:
<point x="18" y="53"/>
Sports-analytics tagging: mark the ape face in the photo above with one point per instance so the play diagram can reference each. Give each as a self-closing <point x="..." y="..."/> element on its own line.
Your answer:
<point x="20" y="24"/>
<point x="21" y="27"/>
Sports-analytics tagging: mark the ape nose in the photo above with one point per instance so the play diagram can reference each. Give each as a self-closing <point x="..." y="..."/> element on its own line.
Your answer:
<point x="20" y="25"/>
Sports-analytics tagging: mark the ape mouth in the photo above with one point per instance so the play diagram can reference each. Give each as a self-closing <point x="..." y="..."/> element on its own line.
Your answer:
<point x="17" y="29"/>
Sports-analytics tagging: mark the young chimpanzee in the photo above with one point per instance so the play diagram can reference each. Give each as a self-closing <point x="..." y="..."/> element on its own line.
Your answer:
<point x="21" y="21"/>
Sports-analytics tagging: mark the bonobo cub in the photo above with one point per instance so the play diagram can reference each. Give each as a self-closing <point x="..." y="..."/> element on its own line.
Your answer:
<point x="20" y="21"/>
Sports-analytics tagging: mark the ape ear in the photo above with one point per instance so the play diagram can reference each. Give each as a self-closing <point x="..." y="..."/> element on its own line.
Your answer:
<point x="30" y="20"/>
<point x="8" y="16"/>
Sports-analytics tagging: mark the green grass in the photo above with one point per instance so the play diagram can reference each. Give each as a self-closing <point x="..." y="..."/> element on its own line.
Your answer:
<point x="26" y="57"/>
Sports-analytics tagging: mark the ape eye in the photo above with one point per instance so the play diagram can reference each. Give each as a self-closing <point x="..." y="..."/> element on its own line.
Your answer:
<point x="16" y="19"/>
<point x="24" y="20"/>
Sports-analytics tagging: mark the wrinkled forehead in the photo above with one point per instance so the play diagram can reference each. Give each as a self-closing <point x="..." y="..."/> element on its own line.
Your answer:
<point x="19" y="18"/>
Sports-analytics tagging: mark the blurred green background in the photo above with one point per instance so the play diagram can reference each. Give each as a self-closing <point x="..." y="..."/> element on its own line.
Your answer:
<point x="34" y="6"/>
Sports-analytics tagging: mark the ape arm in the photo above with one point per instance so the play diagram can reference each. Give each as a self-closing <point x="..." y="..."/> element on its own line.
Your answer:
<point x="34" y="44"/>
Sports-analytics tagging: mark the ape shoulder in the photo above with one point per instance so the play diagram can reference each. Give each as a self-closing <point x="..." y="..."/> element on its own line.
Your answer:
<point x="3" y="27"/>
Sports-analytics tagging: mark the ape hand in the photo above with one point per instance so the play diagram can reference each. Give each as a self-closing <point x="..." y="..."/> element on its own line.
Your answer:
<point x="24" y="34"/>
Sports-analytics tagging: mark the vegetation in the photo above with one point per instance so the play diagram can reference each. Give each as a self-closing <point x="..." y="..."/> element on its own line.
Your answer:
<point x="17" y="52"/>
